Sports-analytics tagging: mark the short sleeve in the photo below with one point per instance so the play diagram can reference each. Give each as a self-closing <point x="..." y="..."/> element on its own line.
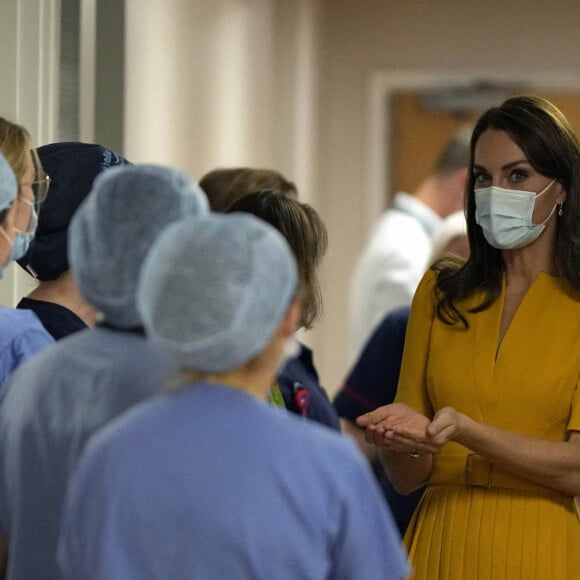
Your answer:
<point x="412" y="387"/>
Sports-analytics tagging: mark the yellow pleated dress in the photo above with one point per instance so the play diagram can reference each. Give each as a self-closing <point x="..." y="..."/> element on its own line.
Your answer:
<point x="514" y="529"/>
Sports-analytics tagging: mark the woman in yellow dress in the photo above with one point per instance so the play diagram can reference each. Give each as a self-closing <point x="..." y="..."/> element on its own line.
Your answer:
<point x="488" y="404"/>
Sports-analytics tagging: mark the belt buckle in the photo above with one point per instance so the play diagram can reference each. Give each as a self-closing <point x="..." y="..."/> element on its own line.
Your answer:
<point x="478" y="471"/>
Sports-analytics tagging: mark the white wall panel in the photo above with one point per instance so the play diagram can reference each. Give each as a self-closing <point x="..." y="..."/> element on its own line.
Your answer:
<point x="28" y="92"/>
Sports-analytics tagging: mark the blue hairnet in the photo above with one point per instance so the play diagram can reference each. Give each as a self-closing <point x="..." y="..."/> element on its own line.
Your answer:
<point x="113" y="229"/>
<point x="8" y="184"/>
<point x="212" y="291"/>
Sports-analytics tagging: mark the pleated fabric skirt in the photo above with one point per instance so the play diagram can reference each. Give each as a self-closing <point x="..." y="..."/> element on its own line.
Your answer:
<point x="465" y="533"/>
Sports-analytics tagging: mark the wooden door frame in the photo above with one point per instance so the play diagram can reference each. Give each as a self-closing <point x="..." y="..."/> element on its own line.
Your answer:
<point x="383" y="84"/>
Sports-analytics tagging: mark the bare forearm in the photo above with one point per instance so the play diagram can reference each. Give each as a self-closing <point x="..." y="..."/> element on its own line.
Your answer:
<point x="555" y="464"/>
<point x="406" y="473"/>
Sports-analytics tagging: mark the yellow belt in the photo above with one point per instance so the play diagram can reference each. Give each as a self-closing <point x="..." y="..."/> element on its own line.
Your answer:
<point x="473" y="470"/>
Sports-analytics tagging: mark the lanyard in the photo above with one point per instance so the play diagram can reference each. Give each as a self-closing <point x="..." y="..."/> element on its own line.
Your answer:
<point x="275" y="396"/>
<point x="301" y="397"/>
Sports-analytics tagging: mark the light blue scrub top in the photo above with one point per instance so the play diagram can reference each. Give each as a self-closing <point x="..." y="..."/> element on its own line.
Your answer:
<point x="211" y="483"/>
<point x="53" y="403"/>
<point x="21" y="336"/>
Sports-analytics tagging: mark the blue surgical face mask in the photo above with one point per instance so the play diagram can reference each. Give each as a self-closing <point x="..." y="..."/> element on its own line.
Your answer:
<point x="10" y="241"/>
<point x="22" y="241"/>
<point x="505" y="216"/>
<point x="20" y="246"/>
<point x="33" y="221"/>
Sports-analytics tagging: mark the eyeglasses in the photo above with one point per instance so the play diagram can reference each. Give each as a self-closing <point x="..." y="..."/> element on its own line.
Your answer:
<point x="41" y="184"/>
<point x="40" y="188"/>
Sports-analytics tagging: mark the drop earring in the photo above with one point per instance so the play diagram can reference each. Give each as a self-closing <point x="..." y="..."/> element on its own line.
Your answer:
<point x="561" y="209"/>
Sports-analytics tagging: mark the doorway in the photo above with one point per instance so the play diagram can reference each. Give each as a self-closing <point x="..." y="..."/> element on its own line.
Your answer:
<point x="423" y="122"/>
<point x="560" y="86"/>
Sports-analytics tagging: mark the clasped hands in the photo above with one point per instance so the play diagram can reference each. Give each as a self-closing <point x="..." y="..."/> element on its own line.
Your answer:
<point x="399" y="428"/>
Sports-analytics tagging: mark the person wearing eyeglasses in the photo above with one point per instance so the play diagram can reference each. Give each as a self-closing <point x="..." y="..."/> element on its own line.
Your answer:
<point x="24" y="186"/>
<point x="32" y="181"/>
<point x="56" y="300"/>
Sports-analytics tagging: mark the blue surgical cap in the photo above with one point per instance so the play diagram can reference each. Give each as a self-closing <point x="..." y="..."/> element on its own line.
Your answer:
<point x="212" y="291"/>
<point x="113" y="229"/>
<point x="8" y="184"/>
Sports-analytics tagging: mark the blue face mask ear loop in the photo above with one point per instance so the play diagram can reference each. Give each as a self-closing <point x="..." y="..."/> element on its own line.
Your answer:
<point x="33" y="221"/>
<point x="10" y="241"/>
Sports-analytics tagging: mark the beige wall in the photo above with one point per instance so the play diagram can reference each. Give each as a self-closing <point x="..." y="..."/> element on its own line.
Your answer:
<point x="215" y="83"/>
<point x="289" y="84"/>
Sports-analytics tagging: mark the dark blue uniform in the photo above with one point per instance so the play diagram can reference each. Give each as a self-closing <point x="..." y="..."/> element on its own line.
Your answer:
<point x="58" y="320"/>
<point x="300" y="387"/>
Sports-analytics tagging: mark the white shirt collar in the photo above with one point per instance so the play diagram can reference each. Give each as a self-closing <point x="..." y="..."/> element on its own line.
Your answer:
<point x="406" y="203"/>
